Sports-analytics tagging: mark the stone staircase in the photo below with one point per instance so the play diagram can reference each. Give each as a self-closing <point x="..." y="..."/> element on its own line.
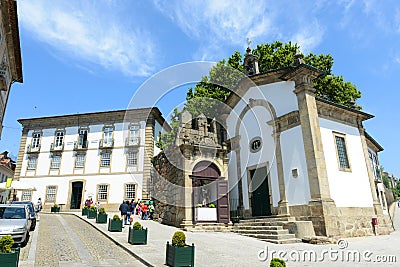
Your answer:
<point x="270" y="229"/>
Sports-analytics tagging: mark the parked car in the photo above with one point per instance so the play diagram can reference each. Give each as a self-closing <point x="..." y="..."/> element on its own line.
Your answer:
<point x="15" y="221"/>
<point x="32" y="212"/>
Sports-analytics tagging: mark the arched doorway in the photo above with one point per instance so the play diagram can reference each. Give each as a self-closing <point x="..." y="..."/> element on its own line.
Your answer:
<point x="210" y="194"/>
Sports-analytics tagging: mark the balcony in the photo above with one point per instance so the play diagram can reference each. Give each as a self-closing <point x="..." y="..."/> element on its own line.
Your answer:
<point x="81" y="146"/>
<point x="31" y="149"/>
<point x="106" y="143"/>
<point x="132" y="141"/>
<point x="56" y="148"/>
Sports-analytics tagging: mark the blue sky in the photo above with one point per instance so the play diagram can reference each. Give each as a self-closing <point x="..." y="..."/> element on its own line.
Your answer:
<point x="85" y="56"/>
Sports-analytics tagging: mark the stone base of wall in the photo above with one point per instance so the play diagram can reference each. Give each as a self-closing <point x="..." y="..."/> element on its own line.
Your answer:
<point x="168" y="214"/>
<point x="350" y="221"/>
<point x="209" y="227"/>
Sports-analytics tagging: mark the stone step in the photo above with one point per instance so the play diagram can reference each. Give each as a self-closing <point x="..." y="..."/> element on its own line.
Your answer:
<point x="269" y="219"/>
<point x="266" y="232"/>
<point x="257" y="227"/>
<point x="271" y="236"/>
<point x="284" y="241"/>
<point x="262" y="223"/>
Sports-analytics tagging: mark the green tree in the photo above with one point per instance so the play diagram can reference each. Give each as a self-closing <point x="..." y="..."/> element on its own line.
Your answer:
<point x="168" y="138"/>
<point x="222" y="80"/>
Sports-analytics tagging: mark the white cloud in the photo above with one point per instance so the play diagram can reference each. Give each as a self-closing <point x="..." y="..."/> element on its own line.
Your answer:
<point x="90" y="33"/>
<point x="231" y="22"/>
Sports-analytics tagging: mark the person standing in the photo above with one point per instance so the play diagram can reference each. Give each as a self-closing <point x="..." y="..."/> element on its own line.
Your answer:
<point x="128" y="213"/>
<point x="123" y="208"/>
<point x="39" y="204"/>
<point x="151" y="210"/>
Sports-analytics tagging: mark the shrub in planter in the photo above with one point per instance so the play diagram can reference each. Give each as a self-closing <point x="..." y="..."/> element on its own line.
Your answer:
<point x="101" y="216"/>
<point x="55" y="208"/>
<point x="137" y="235"/>
<point x="178" y="253"/>
<point x="8" y="257"/>
<point x="85" y="210"/>
<point x="92" y="212"/>
<point x="276" y="262"/>
<point x="115" y="224"/>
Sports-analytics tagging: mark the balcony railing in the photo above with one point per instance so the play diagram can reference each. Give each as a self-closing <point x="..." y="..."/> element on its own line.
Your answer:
<point x="81" y="146"/>
<point x="31" y="149"/>
<point x="53" y="147"/>
<point x="132" y="141"/>
<point x="106" y="143"/>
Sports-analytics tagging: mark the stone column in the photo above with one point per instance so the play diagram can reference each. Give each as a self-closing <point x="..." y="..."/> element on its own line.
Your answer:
<point x="323" y="211"/>
<point x="377" y="206"/>
<point x="283" y="205"/>
<point x="235" y="146"/>
<point x="148" y="155"/>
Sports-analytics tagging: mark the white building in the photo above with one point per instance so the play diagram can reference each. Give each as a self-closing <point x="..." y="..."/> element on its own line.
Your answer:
<point x="102" y="155"/>
<point x="10" y="53"/>
<point x="299" y="156"/>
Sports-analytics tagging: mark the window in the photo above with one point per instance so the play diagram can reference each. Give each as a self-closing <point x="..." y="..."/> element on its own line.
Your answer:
<point x="32" y="163"/>
<point x="82" y="139"/>
<point x="80" y="161"/>
<point x="51" y="193"/>
<point x="255" y="144"/>
<point x="132" y="158"/>
<point x="102" y="190"/>
<point x="26" y="196"/>
<point x="55" y="162"/>
<point x="342" y="152"/>
<point x="134" y="134"/>
<point x="108" y="132"/>
<point x="36" y="140"/>
<point x="59" y="139"/>
<point x="130" y="191"/>
<point x="105" y="159"/>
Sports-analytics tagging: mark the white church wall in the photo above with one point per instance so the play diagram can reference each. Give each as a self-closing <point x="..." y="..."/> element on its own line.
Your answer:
<point x="293" y="157"/>
<point x="348" y="188"/>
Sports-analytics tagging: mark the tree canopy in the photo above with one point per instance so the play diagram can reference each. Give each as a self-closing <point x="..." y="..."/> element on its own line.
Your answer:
<point x="219" y="83"/>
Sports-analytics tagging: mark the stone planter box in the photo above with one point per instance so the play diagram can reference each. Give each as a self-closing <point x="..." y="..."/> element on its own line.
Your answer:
<point x="54" y="209"/>
<point x="85" y="212"/>
<point x="114" y="225"/>
<point x="206" y="214"/>
<point x="101" y="218"/>
<point x="92" y="214"/>
<point x="10" y="259"/>
<point x="179" y="256"/>
<point x="137" y="237"/>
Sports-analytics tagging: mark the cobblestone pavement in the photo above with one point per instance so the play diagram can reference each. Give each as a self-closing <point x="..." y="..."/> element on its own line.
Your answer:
<point x="65" y="240"/>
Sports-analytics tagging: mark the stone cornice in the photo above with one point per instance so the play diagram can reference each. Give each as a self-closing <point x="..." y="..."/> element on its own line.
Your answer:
<point x="93" y="118"/>
<point x="372" y="143"/>
<point x="285" y="122"/>
<point x="10" y="24"/>
<point x="341" y="114"/>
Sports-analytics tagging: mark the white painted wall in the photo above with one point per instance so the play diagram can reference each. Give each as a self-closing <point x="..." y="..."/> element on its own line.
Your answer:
<point x="280" y="95"/>
<point x="348" y="189"/>
<point x="117" y="175"/>
<point x="293" y="157"/>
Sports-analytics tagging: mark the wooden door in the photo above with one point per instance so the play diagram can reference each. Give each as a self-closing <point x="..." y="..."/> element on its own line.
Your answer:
<point x="223" y="201"/>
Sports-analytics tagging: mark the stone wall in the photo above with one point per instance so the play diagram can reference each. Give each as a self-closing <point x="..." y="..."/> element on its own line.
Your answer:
<point x="168" y="188"/>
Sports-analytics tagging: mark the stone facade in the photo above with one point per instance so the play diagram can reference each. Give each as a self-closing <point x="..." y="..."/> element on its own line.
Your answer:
<point x="172" y="175"/>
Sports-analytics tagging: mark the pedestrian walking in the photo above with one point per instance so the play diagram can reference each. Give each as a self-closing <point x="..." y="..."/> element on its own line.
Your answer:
<point x="128" y="213"/>
<point x="98" y="206"/>
<point x="123" y="208"/>
<point x="39" y="204"/>
<point x="151" y="210"/>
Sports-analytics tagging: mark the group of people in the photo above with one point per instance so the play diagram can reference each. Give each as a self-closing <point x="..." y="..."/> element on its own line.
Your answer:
<point x="144" y="209"/>
<point x="89" y="202"/>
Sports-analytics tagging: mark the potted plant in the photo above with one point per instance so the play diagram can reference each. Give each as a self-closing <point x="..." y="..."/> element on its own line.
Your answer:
<point x="115" y="224"/>
<point x="101" y="216"/>
<point x="178" y="253"/>
<point x="55" y="208"/>
<point x="85" y="210"/>
<point x="277" y="262"/>
<point x="92" y="212"/>
<point x="137" y="235"/>
<point x="8" y="257"/>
